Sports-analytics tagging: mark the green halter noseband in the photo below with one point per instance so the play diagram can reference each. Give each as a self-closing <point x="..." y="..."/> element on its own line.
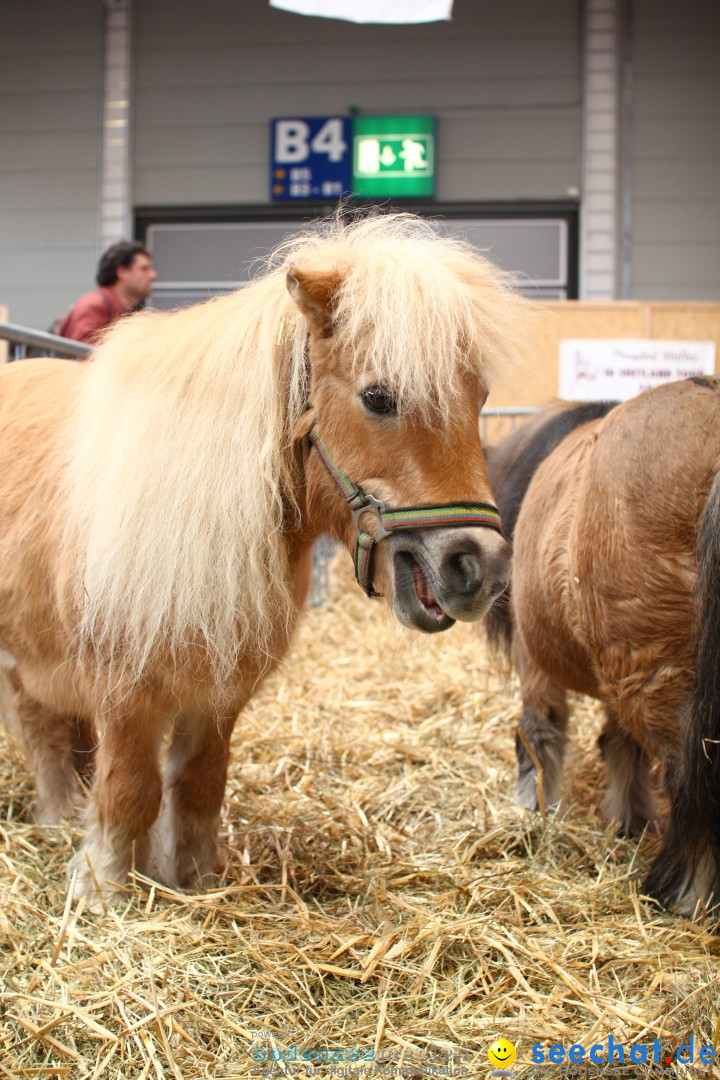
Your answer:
<point x="406" y="517"/>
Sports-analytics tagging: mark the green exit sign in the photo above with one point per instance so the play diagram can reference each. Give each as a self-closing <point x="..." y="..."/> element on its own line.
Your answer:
<point x="394" y="155"/>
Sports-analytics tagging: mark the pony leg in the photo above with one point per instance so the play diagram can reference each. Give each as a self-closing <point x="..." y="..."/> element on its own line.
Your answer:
<point x="544" y="724"/>
<point x="124" y="803"/>
<point x="49" y="738"/>
<point x="185" y="841"/>
<point x="686" y="873"/>
<point x="628" y="797"/>
<point x="84" y="743"/>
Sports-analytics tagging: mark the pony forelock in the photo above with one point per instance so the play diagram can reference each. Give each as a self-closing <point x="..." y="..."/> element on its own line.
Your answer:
<point x="416" y="308"/>
<point x="181" y="482"/>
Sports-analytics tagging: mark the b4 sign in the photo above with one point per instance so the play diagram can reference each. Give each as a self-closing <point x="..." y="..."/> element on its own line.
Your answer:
<point x="310" y="157"/>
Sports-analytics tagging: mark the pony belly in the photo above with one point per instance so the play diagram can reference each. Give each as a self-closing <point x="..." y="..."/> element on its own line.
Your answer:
<point x="545" y="582"/>
<point x="566" y="665"/>
<point x="550" y="642"/>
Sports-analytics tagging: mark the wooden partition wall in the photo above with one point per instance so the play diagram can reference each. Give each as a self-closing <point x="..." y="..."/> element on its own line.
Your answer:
<point x="536" y="379"/>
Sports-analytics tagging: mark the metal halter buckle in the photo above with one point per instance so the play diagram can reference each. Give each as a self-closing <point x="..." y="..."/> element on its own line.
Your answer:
<point x="370" y="506"/>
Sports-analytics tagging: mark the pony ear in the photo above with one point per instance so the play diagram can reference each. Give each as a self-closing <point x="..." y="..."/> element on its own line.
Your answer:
<point x="314" y="292"/>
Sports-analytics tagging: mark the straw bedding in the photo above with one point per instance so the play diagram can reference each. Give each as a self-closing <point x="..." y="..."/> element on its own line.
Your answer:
<point x="383" y="896"/>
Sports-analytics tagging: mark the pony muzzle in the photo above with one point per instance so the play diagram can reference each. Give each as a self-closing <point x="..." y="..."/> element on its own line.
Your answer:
<point x="441" y="576"/>
<point x="436" y="578"/>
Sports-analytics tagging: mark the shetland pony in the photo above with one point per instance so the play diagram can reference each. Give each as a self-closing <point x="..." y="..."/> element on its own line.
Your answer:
<point x="615" y="516"/>
<point x="158" y="508"/>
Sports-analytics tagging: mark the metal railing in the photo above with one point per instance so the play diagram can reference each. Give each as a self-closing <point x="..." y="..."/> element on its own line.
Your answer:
<point x="506" y="413"/>
<point x="23" y="337"/>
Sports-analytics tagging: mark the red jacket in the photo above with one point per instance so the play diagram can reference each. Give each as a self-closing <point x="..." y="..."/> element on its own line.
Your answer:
<point x="91" y="314"/>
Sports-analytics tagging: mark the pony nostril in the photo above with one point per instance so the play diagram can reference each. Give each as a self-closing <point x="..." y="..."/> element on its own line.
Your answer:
<point x="465" y="566"/>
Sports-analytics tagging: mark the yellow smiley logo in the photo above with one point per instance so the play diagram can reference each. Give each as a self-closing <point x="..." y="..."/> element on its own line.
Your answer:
<point x="501" y="1053"/>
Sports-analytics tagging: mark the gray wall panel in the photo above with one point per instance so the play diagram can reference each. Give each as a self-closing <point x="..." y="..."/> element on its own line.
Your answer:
<point x="45" y="298"/>
<point x="70" y="70"/>
<point x="220" y="145"/>
<point x="54" y="189"/>
<point x="461" y="181"/>
<point x="676" y="95"/>
<point x="53" y="262"/>
<point x="667" y="16"/>
<point x="41" y="151"/>
<point x="504" y="81"/>
<point x="192" y="185"/>
<point x="50" y="112"/>
<point x="700" y="292"/>
<point x="679" y="180"/>
<point x="678" y="221"/>
<point x="520" y="137"/>
<point x="54" y="110"/>
<point x="675" y="165"/>
<point x="39" y="29"/>
<point x="659" y="137"/>
<point x="663" y="54"/>
<point x="245" y="103"/>
<point x="46" y="230"/>
<point x="228" y="66"/>
<point x="657" y="260"/>
<point x="471" y="180"/>
<point x="504" y="85"/>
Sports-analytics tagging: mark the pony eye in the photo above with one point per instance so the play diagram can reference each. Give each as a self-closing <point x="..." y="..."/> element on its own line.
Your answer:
<point x="379" y="400"/>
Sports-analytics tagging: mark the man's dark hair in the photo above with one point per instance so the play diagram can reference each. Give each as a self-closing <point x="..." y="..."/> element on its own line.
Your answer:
<point x="121" y="254"/>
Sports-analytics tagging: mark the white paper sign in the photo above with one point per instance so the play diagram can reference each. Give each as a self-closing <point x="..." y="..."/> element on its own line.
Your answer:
<point x="617" y="370"/>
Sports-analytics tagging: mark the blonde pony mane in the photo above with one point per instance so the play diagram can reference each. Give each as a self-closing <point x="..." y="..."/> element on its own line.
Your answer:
<point x="181" y="482"/>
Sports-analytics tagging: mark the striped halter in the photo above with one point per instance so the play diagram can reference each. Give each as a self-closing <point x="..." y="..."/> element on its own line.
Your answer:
<point x="406" y="517"/>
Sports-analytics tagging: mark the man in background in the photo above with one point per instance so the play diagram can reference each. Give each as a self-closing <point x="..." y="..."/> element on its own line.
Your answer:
<point x="125" y="275"/>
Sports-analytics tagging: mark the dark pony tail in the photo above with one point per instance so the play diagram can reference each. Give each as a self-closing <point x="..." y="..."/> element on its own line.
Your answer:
<point x="688" y="866"/>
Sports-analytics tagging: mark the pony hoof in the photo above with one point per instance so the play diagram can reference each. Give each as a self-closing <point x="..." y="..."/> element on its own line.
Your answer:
<point x="200" y="876"/>
<point x="47" y="813"/>
<point x="83" y="887"/>
<point x="83" y="882"/>
<point x="631" y="830"/>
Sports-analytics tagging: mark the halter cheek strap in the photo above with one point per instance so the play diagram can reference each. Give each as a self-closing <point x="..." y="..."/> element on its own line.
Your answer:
<point x="406" y="517"/>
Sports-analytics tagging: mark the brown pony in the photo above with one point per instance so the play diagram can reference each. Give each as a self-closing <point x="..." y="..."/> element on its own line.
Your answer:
<point x="615" y="512"/>
<point x="158" y="508"/>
